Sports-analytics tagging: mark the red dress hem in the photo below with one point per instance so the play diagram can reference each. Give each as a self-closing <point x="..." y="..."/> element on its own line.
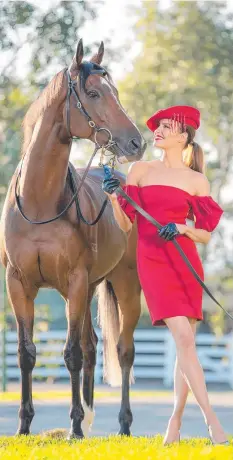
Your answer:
<point x="160" y="321"/>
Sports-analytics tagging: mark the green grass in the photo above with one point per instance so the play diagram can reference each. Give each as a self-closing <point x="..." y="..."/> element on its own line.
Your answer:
<point x="53" y="395"/>
<point x="53" y="447"/>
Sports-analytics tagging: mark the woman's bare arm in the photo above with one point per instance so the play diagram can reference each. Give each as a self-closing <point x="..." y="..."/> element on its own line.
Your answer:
<point x="132" y="179"/>
<point x="197" y="234"/>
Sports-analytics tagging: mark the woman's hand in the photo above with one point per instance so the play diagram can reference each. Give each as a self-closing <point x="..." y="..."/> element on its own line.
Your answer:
<point x="110" y="183"/>
<point x="169" y="231"/>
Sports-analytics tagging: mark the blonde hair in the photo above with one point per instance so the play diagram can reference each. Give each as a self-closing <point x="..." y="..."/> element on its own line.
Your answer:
<point x="193" y="155"/>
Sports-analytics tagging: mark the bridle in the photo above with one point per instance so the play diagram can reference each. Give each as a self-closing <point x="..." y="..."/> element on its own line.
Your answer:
<point x="72" y="91"/>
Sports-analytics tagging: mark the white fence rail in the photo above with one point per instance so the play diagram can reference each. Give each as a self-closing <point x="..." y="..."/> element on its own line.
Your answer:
<point x="155" y="356"/>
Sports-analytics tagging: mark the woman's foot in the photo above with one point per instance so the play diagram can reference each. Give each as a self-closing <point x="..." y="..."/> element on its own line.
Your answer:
<point x="216" y="432"/>
<point x="173" y="431"/>
<point x="217" y="436"/>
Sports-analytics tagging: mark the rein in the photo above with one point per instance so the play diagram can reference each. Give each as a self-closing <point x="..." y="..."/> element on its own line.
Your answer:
<point x="74" y="188"/>
<point x="176" y="244"/>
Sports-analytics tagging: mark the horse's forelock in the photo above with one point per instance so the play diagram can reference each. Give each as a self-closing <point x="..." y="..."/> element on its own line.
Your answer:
<point x="89" y="68"/>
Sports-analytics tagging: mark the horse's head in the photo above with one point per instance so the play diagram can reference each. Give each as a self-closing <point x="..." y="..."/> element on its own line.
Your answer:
<point x="96" y="105"/>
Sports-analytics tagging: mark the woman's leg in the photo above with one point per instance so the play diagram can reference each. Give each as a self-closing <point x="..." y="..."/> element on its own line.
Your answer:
<point x="181" y="390"/>
<point x="192" y="371"/>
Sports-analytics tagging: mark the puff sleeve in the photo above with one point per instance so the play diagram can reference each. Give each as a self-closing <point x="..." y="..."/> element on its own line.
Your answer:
<point x="133" y="192"/>
<point x="206" y="211"/>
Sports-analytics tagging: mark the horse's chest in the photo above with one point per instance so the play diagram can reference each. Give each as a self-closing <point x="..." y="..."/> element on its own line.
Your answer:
<point x="52" y="250"/>
<point x="63" y="242"/>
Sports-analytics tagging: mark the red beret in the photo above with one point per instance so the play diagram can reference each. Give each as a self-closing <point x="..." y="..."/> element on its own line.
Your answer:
<point x="191" y="114"/>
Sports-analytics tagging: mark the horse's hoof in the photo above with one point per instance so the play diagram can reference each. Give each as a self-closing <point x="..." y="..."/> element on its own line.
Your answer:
<point x="24" y="426"/>
<point x="124" y="432"/>
<point x="22" y="432"/>
<point x="73" y="435"/>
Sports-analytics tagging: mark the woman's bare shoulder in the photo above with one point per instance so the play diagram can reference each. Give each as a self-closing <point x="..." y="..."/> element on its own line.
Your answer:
<point x="135" y="171"/>
<point x="201" y="183"/>
<point x="155" y="163"/>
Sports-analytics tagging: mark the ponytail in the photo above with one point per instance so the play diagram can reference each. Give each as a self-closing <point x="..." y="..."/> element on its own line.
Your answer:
<point x="193" y="155"/>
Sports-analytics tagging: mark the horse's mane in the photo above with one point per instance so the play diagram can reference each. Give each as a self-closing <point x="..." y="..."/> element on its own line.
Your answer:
<point x="39" y="106"/>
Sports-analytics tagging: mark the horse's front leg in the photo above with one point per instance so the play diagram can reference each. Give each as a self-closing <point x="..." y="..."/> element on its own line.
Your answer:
<point x="75" y="310"/>
<point x="23" y="305"/>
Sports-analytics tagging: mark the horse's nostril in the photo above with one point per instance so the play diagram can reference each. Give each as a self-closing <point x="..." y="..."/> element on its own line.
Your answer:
<point x="134" y="145"/>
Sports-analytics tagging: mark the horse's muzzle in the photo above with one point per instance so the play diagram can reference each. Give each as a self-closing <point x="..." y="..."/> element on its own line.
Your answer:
<point x="136" y="146"/>
<point x="132" y="152"/>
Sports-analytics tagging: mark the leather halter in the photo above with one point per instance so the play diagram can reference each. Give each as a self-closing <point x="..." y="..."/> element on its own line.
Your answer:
<point x="92" y="124"/>
<point x="71" y="90"/>
<point x="75" y="190"/>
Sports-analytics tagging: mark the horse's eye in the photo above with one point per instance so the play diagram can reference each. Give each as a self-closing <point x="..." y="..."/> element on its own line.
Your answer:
<point x="93" y="94"/>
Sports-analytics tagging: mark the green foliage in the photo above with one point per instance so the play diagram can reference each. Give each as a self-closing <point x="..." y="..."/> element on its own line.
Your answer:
<point x="49" y="38"/>
<point x="51" y="33"/>
<point x="186" y="58"/>
<point x="13" y="14"/>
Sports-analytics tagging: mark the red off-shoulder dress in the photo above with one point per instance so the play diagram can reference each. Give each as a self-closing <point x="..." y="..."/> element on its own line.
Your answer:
<point x="169" y="287"/>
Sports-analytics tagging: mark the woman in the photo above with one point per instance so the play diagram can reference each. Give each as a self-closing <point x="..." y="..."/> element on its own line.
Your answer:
<point x="172" y="189"/>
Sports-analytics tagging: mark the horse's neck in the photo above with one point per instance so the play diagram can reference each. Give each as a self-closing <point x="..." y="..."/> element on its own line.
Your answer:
<point x="45" y="165"/>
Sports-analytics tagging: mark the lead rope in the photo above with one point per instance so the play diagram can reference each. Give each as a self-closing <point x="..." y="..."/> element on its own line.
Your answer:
<point x="35" y="222"/>
<point x="176" y="244"/>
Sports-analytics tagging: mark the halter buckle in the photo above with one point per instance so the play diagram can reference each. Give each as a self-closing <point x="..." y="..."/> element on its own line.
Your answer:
<point x="79" y="105"/>
<point x="91" y="123"/>
<point x="108" y="143"/>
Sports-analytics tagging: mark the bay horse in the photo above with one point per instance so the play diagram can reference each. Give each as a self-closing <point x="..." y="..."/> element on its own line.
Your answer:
<point x="67" y="254"/>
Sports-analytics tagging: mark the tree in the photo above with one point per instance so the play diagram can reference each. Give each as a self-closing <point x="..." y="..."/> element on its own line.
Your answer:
<point x="49" y="39"/>
<point x="186" y="58"/>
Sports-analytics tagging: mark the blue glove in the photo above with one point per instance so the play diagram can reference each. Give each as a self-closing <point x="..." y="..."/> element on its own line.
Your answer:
<point x="110" y="183"/>
<point x="169" y="231"/>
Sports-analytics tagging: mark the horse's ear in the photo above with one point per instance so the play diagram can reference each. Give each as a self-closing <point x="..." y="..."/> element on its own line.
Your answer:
<point x="79" y="53"/>
<point x="78" y="57"/>
<point x="97" y="58"/>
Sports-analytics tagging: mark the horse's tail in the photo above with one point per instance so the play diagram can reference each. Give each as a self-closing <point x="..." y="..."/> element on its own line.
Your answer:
<point x="108" y="320"/>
